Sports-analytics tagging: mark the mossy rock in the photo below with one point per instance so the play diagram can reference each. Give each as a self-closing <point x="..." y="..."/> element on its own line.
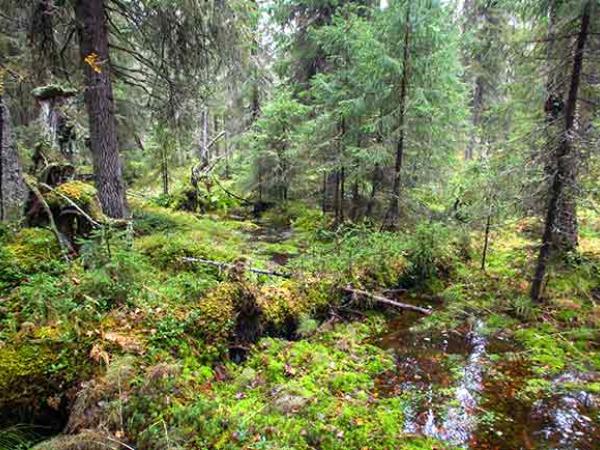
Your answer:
<point x="51" y="91"/>
<point x="32" y="374"/>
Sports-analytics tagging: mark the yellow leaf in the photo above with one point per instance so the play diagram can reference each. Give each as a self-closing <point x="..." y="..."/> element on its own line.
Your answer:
<point x="93" y="60"/>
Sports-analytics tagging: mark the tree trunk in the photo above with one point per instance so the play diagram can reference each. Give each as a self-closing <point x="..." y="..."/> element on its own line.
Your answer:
<point x="204" y="156"/>
<point x="93" y="47"/>
<point x="13" y="191"/>
<point x="254" y="50"/>
<point x="45" y="59"/>
<point x="477" y="108"/>
<point x="355" y="207"/>
<point x="486" y="240"/>
<point x="564" y="162"/>
<point x="336" y="197"/>
<point x="164" y="170"/>
<point x="324" y="194"/>
<point x="342" y="192"/>
<point x="394" y="210"/>
<point x="375" y="185"/>
<point x="216" y="127"/>
<point x="564" y="234"/>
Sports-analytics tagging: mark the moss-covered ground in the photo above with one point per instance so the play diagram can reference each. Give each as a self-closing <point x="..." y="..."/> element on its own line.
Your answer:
<point x="149" y="350"/>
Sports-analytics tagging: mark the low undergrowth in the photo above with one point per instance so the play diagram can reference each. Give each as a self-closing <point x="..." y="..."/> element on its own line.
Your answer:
<point x="137" y="342"/>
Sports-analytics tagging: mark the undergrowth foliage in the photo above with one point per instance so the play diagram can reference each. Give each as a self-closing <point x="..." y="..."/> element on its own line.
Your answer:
<point x="155" y="337"/>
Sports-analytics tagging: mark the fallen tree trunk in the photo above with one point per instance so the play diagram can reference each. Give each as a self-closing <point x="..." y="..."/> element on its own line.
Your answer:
<point x="239" y="267"/>
<point x="386" y="301"/>
<point x="225" y="265"/>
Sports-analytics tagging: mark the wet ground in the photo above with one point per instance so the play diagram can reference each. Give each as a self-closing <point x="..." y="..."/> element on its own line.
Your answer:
<point x="466" y="388"/>
<point x="265" y="241"/>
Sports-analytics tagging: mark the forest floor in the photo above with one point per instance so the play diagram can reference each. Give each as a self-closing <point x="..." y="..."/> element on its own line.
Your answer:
<point x="133" y="346"/>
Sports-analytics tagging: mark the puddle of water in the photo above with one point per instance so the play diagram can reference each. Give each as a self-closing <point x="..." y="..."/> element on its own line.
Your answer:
<point x="569" y="419"/>
<point x="441" y="372"/>
<point x="510" y="425"/>
<point x="271" y="235"/>
<point x="457" y="393"/>
<point x="280" y="258"/>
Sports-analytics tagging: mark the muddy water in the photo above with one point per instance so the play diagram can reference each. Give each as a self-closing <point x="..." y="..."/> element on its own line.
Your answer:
<point x="465" y="388"/>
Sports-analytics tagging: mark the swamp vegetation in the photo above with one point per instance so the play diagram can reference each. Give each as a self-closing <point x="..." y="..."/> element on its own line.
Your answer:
<point x="299" y="224"/>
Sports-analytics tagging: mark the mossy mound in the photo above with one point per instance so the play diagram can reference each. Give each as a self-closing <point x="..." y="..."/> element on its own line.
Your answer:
<point x="28" y="251"/>
<point x="80" y="193"/>
<point x="22" y="369"/>
<point x="216" y="318"/>
<point x="51" y="91"/>
<point x="36" y="376"/>
<point x="318" y="393"/>
<point x="149" y="219"/>
<point x="290" y="300"/>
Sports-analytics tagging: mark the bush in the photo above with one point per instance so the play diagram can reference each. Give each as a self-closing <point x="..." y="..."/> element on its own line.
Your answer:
<point x="429" y="253"/>
<point x="117" y="281"/>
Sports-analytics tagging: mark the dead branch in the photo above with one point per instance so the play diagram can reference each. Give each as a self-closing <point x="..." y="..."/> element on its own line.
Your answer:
<point x="225" y="265"/>
<point x="386" y="301"/>
<point x="231" y="194"/>
<point x="63" y="246"/>
<point x="73" y="204"/>
<point x="215" y="139"/>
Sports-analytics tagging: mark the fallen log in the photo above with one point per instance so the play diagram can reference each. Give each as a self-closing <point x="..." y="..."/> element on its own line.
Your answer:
<point x="225" y="265"/>
<point x="386" y="301"/>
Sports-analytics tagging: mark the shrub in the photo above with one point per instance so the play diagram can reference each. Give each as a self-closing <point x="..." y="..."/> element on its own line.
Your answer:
<point x="429" y="253"/>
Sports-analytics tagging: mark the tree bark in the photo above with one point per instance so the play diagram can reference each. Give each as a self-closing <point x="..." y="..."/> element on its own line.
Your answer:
<point x="204" y="151"/>
<point x="477" y="108"/>
<point x="355" y="206"/>
<point x="93" y="47"/>
<point x="486" y="239"/>
<point x="45" y="59"/>
<point x="164" y="171"/>
<point x="565" y="233"/>
<point x="337" y="197"/>
<point x="564" y="161"/>
<point x="342" y="192"/>
<point x="376" y="178"/>
<point x="394" y="210"/>
<point x="13" y="191"/>
<point x="324" y="194"/>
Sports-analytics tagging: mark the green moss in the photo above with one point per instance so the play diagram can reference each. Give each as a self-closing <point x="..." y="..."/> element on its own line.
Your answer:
<point x="82" y="194"/>
<point x="52" y="91"/>
<point x="28" y="251"/>
<point x="300" y="395"/>
<point x="29" y="373"/>
<point x="544" y="349"/>
<point x="151" y="219"/>
<point x="32" y="246"/>
<point x="216" y="312"/>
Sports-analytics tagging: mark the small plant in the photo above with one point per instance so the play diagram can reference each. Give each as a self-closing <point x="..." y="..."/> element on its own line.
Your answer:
<point x="428" y="253"/>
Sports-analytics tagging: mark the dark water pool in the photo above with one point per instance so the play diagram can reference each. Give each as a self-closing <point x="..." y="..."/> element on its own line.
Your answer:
<point x="466" y="387"/>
